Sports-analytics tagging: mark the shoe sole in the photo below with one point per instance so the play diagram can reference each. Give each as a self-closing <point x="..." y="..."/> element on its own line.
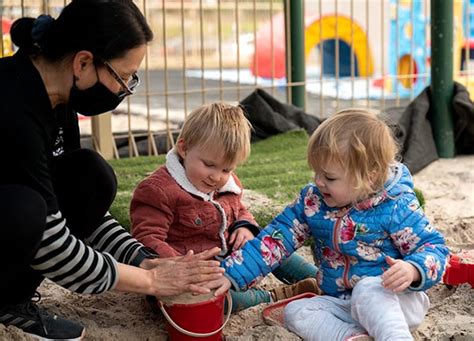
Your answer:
<point x="39" y="338"/>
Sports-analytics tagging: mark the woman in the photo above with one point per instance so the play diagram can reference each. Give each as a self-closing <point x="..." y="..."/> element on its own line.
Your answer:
<point x="55" y="196"/>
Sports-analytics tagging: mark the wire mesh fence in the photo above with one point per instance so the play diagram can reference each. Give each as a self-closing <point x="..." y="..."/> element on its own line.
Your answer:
<point x="362" y="53"/>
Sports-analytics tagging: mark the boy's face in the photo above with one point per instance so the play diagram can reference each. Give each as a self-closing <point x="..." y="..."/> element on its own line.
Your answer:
<point x="206" y="169"/>
<point x="335" y="186"/>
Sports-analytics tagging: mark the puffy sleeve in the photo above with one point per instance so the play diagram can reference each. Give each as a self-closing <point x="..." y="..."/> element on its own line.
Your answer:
<point x="418" y="241"/>
<point x="277" y="241"/>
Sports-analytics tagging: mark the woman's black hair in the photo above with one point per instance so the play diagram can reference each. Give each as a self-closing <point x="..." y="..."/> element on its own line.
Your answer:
<point x="107" y="28"/>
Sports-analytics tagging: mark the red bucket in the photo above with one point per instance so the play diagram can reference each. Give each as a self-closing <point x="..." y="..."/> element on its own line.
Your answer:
<point x="460" y="268"/>
<point x="204" y="320"/>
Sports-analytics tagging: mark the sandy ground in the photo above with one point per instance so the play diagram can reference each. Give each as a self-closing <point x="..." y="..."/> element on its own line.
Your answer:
<point x="448" y="186"/>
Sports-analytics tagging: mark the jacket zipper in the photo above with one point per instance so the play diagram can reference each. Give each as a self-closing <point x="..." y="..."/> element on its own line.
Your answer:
<point x="335" y="241"/>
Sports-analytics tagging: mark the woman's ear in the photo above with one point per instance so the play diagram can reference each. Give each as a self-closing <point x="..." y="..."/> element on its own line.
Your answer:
<point x="81" y="63"/>
<point x="181" y="148"/>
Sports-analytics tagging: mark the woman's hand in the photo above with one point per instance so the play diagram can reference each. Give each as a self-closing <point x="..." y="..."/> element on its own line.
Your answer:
<point x="171" y="276"/>
<point x="189" y="257"/>
<point x="239" y="237"/>
<point x="400" y="275"/>
<point x="176" y="277"/>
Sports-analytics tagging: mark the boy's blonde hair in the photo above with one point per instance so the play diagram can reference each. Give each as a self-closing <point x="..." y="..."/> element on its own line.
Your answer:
<point x="360" y="142"/>
<point x="219" y="126"/>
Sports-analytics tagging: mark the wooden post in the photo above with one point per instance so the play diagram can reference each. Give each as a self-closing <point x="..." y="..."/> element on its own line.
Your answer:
<point x="102" y="138"/>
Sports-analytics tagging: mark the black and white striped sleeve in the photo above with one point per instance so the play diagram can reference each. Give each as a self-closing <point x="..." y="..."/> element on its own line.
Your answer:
<point x="71" y="263"/>
<point x="112" y="238"/>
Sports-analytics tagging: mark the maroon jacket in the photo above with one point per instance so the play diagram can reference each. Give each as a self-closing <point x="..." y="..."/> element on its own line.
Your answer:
<point x="170" y="216"/>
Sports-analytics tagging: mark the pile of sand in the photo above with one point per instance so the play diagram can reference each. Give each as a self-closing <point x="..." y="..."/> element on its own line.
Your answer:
<point x="448" y="187"/>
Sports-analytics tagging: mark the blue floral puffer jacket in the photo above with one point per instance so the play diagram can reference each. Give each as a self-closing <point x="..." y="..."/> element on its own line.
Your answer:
<point x="350" y="243"/>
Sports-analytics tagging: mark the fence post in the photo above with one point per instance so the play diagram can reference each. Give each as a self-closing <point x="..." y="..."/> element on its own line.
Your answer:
<point x="442" y="85"/>
<point x="295" y="65"/>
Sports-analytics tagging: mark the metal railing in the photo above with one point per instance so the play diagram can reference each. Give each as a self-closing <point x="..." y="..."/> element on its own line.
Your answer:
<point x="358" y="53"/>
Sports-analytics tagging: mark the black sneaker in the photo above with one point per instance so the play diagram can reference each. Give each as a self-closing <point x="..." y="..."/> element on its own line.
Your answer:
<point x="39" y="323"/>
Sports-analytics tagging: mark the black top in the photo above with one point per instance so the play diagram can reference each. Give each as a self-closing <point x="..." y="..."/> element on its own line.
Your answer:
<point x="31" y="131"/>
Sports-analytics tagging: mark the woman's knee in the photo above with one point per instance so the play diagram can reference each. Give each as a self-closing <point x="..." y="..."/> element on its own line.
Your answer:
<point x="86" y="171"/>
<point x="23" y="212"/>
<point x="83" y="181"/>
<point x="85" y="185"/>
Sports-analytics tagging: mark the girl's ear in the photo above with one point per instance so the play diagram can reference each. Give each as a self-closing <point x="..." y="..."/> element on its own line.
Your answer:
<point x="181" y="148"/>
<point x="373" y="178"/>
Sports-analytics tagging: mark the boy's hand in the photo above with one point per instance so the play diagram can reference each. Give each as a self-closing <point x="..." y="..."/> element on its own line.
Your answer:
<point x="239" y="237"/>
<point x="221" y="285"/>
<point x="400" y="275"/>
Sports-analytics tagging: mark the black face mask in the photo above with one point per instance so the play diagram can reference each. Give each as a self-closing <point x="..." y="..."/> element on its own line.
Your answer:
<point x="94" y="100"/>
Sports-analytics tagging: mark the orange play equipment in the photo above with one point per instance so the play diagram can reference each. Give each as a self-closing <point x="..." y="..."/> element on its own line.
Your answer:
<point x="462" y="41"/>
<point x="317" y="31"/>
<point x="6" y="47"/>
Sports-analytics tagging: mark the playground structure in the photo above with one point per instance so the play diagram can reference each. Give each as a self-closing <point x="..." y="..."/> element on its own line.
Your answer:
<point x="468" y="31"/>
<point x="464" y="43"/>
<point x="390" y="46"/>
<point x="6" y="46"/>
<point x="320" y="30"/>
<point x="409" y="50"/>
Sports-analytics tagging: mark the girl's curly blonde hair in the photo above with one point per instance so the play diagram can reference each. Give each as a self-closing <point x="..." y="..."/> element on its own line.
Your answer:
<point x="360" y="142"/>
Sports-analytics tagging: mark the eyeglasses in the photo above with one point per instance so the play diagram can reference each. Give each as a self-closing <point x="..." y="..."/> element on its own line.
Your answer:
<point x="127" y="89"/>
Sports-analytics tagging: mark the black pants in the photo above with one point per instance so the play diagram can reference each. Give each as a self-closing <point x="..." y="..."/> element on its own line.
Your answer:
<point x="85" y="186"/>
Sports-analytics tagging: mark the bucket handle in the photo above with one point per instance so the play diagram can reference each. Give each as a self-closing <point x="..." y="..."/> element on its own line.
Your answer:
<point x="189" y="333"/>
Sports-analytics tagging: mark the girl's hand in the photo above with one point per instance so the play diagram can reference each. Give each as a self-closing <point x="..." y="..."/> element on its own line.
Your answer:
<point x="239" y="237"/>
<point x="221" y="285"/>
<point x="400" y="275"/>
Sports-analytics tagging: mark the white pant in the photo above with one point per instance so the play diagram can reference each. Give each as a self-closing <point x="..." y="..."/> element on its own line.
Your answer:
<point x="381" y="313"/>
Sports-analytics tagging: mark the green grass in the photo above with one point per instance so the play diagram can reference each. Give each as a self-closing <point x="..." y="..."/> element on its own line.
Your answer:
<point x="277" y="167"/>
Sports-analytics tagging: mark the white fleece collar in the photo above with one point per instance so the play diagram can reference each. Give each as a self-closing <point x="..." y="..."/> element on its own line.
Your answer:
<point x="177" y="171"/>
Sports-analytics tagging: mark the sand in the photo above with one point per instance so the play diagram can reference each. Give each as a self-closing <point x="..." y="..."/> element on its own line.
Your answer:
<point x="448" y="186"/>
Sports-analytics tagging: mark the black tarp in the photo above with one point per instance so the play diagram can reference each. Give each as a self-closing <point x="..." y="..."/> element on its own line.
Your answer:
<point x="270" y="117"/>
<point x="411" y="125"/>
